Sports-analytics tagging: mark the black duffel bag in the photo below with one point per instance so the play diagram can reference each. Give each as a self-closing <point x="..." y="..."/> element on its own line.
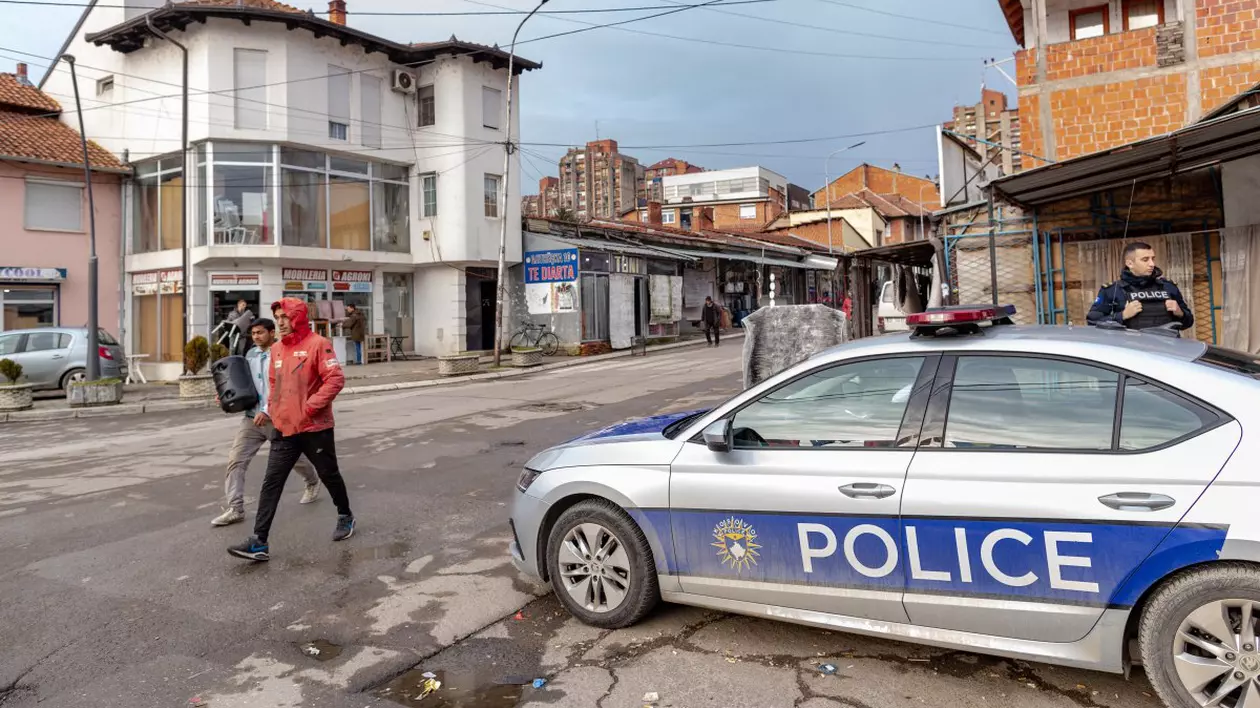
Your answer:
<point x="234" y="383"/>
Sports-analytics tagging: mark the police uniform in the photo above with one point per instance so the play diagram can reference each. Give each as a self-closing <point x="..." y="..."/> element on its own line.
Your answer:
<point x="1152" y="291"/>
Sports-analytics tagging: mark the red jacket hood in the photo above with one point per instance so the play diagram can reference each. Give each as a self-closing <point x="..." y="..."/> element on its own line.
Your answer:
<point x="295" y="309"/>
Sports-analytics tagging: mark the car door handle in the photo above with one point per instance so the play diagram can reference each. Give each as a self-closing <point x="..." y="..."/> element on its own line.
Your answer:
<point x="57" y="356"/>
<point x="1137" y="501"/>
<point x="867" y="490"/>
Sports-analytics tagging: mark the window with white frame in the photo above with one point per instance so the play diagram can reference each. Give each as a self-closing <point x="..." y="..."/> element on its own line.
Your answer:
<point x="667" y="216"/>
<point x="54" y="206"/>
<point x="249" y="79"/>
<point x="643" y="216"/>
<point x="338" y="103"/>
<point x="491" y="107"/>
<point x="493" y="184"/>
<point x="426" y="105"/>
<point x="370" y="110"/>
<point x="748" y="211"/>
<point x="428" y="187"/>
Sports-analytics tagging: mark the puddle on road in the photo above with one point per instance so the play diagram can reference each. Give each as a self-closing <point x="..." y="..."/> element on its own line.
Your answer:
<point x="458" y="690"/>
<point x="320" y="650"/>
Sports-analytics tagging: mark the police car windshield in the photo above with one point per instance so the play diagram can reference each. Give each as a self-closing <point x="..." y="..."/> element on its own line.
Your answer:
<point x="1231" y="360"/>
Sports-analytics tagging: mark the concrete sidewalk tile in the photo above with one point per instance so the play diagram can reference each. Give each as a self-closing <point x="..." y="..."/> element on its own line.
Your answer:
<point x="175" y="405"/>
<point x="107" y="411"/>
<point x="38" y="415"/>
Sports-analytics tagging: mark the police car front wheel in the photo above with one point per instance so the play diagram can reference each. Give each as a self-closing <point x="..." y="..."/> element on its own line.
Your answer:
<point x="1199" y="638"/>
<point x="601" y="566"/>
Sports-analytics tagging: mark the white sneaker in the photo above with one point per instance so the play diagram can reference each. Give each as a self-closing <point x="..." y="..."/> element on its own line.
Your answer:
<point x="229" y="517"/>
<point x="310" y="494"/>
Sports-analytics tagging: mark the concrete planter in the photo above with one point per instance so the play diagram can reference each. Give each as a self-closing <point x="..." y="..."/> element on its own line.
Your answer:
<point x="522" y="358"/>
<point x="196" y="386"/>
<point x="15" y="397"/>
<point x="458" y="364"/>
<point x="95" y="393"/>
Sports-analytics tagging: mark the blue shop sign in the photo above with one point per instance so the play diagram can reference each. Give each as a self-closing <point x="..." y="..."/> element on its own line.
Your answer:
<point x="555" y="266"/>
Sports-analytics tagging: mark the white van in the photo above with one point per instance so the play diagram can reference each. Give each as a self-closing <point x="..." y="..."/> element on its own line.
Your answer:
<point x="888" y="317"/>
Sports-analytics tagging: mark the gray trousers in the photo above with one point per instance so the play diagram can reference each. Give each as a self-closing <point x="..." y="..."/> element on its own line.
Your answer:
<point x="249" y="440"/>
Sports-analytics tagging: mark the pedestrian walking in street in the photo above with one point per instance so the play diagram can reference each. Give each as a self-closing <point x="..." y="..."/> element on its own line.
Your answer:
<point x="305" y="377"/>
<point x="256" y="428"/>
<point x="355" y="326"/>
<point x="711" y="317"/>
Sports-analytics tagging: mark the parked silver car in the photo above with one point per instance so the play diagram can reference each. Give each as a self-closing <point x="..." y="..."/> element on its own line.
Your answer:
<point x="54" y="357"/>
<point x="1043" y="493"/>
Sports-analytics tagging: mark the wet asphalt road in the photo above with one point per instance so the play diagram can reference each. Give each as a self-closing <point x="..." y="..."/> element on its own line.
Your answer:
<point x="117" y="592"/>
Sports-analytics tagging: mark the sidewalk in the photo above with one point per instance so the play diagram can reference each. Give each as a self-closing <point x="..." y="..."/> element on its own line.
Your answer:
<point x="370" y="378"/>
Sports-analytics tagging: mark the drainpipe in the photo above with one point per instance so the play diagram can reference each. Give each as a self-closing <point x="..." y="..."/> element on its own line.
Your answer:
<point x="183" y="215"/>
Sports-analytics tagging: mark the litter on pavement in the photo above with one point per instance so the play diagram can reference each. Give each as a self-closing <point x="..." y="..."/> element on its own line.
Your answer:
<point x="651" y="697"/>
<point x="539" y="682"/>
<point x="828" y="669"/>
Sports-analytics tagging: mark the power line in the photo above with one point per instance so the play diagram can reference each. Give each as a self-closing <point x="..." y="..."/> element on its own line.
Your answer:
<point x="585" y="11"/>
<point x="763" y="142"/>
<point x="852" y="33"/>
<point x="673" y="11"/>
<point x="940" y="23"/>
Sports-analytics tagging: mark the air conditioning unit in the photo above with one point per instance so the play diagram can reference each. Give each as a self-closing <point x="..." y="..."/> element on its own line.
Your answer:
<point x="403" y="81"/>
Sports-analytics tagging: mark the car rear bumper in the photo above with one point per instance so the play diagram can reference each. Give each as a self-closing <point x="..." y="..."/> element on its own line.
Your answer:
<point x="528" y="514"/>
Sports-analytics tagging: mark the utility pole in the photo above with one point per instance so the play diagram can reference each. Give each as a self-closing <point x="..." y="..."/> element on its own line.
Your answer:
<point x="501" y="287"/>
<point x="827" y="188"/>
<point x="186" y="277"/>
<point x="93" y="327"/>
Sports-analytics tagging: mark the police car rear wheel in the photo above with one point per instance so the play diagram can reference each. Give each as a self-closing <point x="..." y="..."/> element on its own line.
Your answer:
<point x="601" y="566"/>
<point x="1199" y="638"/>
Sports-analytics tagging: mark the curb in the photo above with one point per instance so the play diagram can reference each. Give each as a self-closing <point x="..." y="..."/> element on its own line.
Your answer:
<point x="166" y="406"/>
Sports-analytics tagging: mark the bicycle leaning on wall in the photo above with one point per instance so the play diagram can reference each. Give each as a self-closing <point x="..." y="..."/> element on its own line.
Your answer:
<point x="531" y="336"/>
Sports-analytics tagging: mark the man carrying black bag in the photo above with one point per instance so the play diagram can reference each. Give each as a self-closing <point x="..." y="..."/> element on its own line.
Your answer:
<point x="256" y="428"/>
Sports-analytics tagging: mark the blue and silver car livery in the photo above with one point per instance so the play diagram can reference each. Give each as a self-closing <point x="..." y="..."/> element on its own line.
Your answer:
<point x="1046" y="493"/>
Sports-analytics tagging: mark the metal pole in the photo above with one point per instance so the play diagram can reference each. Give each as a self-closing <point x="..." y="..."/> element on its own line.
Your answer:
<point x="827" y="187"/>
<point x="93" y="343"/>
<point x="183" y="202"/>
<point x="993" y="280"/>
<point x="501" y="287"/>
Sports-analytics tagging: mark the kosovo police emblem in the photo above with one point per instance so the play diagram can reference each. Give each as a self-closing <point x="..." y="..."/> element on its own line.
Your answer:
<point x="736" y="544"/>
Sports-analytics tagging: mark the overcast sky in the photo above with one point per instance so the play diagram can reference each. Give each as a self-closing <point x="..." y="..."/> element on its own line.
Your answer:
<point x="650" y="91"/>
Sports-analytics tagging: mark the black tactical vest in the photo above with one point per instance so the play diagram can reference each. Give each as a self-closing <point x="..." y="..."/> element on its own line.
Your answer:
<point x="1154" y="313"/>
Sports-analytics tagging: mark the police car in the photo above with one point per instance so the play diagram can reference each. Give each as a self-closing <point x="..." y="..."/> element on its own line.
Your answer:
<point x="1071" y="495"/>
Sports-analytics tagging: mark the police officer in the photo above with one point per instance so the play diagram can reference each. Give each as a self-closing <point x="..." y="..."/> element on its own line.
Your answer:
<point x="1141" y="298"/>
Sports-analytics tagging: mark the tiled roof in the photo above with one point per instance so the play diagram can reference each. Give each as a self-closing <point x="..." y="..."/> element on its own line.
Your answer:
<point x="47" y="139"/>
<point x="784" y="239"/>
<point x="889" y="206"/>
<point x="256" y="4"/>
<point x="909" y="206"/>
<point x="16" y="96"/>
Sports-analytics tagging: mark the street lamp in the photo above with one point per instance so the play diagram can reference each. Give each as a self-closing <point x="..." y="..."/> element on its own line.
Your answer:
<point x="503" y="216"/>
<point x="827" y="187"/>
<point x="93" y="344"/>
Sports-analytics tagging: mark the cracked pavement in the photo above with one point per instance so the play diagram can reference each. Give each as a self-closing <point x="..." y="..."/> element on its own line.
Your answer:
<point x="117" y="591"/>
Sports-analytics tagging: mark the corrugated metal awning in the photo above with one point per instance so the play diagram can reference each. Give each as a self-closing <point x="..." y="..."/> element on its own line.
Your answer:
<point x="618" y="247"/>
<point x="750" y="257"/>
<point x="1194" y="147"/>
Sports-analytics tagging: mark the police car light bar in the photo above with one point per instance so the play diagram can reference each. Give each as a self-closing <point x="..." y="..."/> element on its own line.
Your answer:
<point x="952" y="317"/>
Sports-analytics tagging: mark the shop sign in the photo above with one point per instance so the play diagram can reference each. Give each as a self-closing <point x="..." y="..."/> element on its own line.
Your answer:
<point x="20" y="273"/>
<point x="167" y="282"/>
<point x="234" y="280"/>
<point x="355" y="281"/>
<point x="304" y="278"/>
<point x="557" y="266"/>
<point x="633" y="265"/>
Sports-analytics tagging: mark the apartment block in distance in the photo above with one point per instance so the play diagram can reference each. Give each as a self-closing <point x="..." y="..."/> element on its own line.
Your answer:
<point x="1093" y="76"/>
<point x="739" y="199"/>
<point x="992" y="121"/>
<point x="653" y="189"/>
<point x="546" y="203"/>
<point x="598" y="181"/>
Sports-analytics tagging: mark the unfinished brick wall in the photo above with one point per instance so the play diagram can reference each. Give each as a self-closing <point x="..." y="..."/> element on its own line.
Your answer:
<point x="1227" y="27"/>
<point x="1030" y="130"/>
<point x="1222" y="83"/>
<point x="1026" y="66"/>
<point x="880" y="181"/>
<point x="1093" y="118"/>
<point x="1111" y="52"/>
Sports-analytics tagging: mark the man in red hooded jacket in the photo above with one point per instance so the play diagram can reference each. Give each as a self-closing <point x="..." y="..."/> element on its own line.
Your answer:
<point x="305" y="377"/>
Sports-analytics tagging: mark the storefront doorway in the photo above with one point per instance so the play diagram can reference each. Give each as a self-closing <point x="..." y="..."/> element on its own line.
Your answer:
<point x="398" y="318"/>
<point x="227" y="289"/>
<point x="480" y="286"/>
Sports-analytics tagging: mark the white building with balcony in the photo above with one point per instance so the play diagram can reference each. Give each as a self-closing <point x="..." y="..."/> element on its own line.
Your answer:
<point x="324" y="162"/>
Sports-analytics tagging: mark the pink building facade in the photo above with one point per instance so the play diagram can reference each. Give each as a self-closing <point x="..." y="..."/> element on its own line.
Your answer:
<point x="44" y="220"/>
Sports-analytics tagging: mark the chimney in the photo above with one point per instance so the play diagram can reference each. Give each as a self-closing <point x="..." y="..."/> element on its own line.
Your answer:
<point x="21" y="74"/>
<point x="337" y="12"/>
<point x="654" y="213"/>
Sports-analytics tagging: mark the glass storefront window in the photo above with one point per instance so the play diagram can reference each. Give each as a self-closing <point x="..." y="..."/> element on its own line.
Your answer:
<point x="25" y="308"/>
<point x="242" y="152"/>
<point x="349" y="214"/>
<point x="304" y="205"/>
<point x="159" y="194"/>
<point x="199" y="198"/>
<point x="156" y="320"/>
<point x="391" y="218"/>
<point x="241" y="203"/>
<point x="302" y="158"/>
<point x="341" y="164"/>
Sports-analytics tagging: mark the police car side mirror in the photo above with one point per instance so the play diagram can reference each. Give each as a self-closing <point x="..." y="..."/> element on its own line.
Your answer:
<point x="717" y="436"/>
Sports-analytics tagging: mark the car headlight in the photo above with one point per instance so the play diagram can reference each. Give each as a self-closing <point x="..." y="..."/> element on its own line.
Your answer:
<point x="527" y="478"/>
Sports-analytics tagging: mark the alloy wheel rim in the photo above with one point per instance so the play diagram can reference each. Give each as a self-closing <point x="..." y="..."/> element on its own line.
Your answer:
<point x="1216" y="655"/>
<point x="594" y="568"/>
<point x="78" y="377"/>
